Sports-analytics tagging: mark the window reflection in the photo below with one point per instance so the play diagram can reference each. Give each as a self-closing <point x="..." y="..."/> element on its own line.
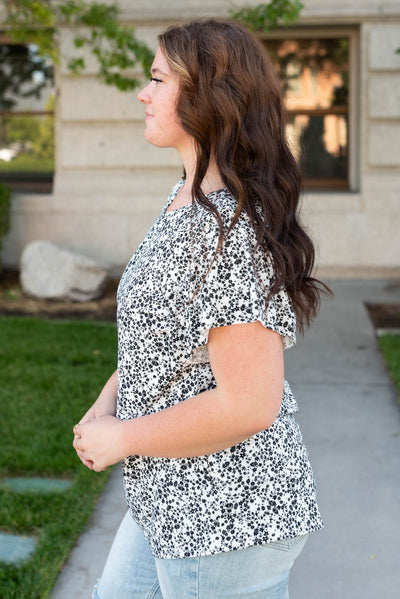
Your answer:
<point x="315" y="78"/>
<point x="26" y="118"/>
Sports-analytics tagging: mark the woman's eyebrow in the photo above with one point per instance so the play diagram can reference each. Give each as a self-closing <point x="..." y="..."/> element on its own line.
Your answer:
<point x="157" y="70"/>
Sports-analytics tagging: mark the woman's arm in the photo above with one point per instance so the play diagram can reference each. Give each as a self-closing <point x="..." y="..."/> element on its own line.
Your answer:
<point x="106" y="403"/>
<point x="247" y="363"/>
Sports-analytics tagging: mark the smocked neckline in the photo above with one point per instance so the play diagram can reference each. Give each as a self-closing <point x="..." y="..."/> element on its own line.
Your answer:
<point x="175" y="193"/>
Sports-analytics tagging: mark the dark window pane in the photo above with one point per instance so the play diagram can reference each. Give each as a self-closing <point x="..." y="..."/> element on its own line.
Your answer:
<point x="319" y="143"/>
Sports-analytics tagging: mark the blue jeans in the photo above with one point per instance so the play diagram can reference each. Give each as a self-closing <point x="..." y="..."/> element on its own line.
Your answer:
<point x="131" y="572"/>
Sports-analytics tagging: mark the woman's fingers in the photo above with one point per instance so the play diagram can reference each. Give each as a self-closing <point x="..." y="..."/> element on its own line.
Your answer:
<point x="81" y="454"/>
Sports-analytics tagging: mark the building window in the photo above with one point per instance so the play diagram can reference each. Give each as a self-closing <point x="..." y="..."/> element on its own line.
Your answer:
<point x="315" y="75"/>
<point x="26" y="118"/>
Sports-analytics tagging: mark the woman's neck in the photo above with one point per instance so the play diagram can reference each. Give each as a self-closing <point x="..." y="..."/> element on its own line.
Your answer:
<point x="211" y="182"/>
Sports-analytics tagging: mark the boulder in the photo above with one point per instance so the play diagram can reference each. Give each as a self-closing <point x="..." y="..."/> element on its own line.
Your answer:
<point x="49" y="272"/>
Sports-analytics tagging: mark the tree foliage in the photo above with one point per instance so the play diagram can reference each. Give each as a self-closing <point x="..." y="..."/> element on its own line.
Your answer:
<point x="272" y="15"/>
<point x="96" y="26"/>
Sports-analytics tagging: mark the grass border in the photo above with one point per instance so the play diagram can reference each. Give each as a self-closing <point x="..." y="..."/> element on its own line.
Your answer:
<point x="51" y="373"/>
<point x="389" y="344"/>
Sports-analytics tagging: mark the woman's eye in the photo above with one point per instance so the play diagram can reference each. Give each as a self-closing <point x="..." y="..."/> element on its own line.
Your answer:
<point x="155" y="79"/>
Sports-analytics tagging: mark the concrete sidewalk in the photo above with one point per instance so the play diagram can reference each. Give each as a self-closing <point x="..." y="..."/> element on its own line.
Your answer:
<point x="350" y="420"/>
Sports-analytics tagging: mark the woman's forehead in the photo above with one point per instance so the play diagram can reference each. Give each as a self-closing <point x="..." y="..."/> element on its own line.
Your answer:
<point x="160" y="63"/>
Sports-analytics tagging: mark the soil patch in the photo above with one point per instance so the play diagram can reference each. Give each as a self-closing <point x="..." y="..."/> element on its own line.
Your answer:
<point x="14" y="303"/>
<point x="384" y="316"/>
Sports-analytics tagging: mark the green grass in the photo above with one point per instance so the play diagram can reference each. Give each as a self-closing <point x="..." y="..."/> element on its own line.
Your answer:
<point x="50" y="373"/>
<point x="27" y="163"/>
<point x="390" y="346"/>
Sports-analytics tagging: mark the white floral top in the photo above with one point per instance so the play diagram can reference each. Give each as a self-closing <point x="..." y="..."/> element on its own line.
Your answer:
<point x="259" y="491"/>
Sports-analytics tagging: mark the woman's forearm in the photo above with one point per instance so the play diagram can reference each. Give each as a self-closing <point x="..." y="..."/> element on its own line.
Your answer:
<point x="109" y="393"/>
<point x="247" y="363"/>
<point x="106" y="403"/>
<point x="200" y="425"/>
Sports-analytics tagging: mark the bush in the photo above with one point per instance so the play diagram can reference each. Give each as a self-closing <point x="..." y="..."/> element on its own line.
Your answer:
<point x="5" y="195"/>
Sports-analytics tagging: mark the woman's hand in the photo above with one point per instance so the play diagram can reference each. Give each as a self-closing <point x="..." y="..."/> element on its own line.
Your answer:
<point x="98" y="442"/>
<point x="82" y="458"/>
<point x="106" y="404"/>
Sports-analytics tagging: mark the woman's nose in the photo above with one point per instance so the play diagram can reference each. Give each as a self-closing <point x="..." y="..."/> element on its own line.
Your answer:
<point x="143" y="95"/>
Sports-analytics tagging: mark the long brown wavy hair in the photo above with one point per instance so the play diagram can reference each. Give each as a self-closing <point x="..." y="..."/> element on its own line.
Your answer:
<point x="231" y="103"/>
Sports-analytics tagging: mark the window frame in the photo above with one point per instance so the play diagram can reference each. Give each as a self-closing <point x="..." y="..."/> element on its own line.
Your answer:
<point x="352" y="33"/>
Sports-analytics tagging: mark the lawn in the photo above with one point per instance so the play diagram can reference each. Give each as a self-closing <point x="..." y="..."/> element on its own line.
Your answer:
<point x="27" y="164"/>
<point x="390" y="346"/>
<point x="51" y="371"/>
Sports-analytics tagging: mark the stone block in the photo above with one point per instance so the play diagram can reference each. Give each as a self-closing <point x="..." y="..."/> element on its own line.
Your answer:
<point x="384" y="144"/>
<point x="139" y="224"/>
<point x="173" y="10"/>
<point x="356" y="240"/>
<point x="113" y="190"/>
<point x="384" y="39"/>
<point x="35" y="484"/>
<point x="384" y="95"/>
<point x="49" y="272"/>
<point x="110" y="146"/>
<point x="382" y="195"/>
<point x="316" y="202"/>
<point x="87" y="99"/>
<point x="15" y="549"/>
<point x="101" y="236"/>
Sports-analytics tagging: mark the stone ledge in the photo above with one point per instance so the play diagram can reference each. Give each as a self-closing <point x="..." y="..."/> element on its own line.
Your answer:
<point x="15" y="549"/>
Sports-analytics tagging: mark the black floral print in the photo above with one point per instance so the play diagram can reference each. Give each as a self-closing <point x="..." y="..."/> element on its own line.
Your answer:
<point x="259" y="491"/>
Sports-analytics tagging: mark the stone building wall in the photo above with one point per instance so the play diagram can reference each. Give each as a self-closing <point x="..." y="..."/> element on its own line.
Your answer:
<point x="110" y="184"/>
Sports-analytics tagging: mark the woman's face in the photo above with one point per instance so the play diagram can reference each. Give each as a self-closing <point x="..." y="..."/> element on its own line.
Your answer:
<point x="163" y="127"/>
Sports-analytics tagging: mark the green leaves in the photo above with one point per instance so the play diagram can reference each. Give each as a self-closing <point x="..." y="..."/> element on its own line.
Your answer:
<point x="264" y="17"/>
<point x="96" y="27"/>
<point x="32" y="22"/>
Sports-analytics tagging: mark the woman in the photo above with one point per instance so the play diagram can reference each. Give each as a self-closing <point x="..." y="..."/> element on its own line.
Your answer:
<point x="218" y="484"/>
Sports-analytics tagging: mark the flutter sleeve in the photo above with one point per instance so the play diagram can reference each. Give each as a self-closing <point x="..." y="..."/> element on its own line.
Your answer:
<point x="235" y="288"/>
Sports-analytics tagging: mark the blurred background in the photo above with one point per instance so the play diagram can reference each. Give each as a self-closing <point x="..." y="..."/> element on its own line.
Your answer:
<point x="82" y="176"/>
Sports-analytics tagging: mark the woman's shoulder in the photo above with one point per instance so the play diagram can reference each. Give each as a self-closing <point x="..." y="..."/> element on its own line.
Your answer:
<point x="223" y="200"/>
<point x="226" y="205"/>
